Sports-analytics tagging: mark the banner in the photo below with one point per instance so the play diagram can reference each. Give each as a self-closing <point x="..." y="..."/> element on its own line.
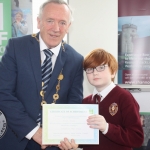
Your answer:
<point x="133" y="42"/>
<point x="134" y="55"/>
<point x="5" y="24"/>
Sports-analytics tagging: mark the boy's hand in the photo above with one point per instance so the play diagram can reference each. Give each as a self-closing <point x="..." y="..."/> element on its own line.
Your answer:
<point x="97" y="122"/>
<point x="66" y="145"/>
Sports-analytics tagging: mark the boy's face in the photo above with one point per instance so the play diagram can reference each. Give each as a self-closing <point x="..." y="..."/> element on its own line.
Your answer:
<point x="100" y="79"/>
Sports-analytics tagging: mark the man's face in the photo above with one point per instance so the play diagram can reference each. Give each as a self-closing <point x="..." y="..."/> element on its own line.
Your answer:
<point x="54" y="23"/>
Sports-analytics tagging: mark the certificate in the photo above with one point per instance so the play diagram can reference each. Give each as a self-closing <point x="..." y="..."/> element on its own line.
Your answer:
<point x="70" y="121"/>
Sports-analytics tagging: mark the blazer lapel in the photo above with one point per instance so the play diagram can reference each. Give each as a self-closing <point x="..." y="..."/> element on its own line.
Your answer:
<point x="35" y="58"/>
<point x="57" y="69"/>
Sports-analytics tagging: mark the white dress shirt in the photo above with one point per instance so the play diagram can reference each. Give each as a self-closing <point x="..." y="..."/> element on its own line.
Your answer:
<point x="55" y="51"/>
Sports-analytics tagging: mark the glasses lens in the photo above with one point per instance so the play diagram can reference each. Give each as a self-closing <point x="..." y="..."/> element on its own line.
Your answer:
<point x="100" y="68"/>
<point x="89" y="70"/>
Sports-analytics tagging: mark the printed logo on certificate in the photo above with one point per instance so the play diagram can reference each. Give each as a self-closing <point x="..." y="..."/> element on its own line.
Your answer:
<point x="70" y="121"/>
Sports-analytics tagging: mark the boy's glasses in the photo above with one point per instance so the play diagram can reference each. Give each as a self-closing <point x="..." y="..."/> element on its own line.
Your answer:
<point x="98" y="68"/>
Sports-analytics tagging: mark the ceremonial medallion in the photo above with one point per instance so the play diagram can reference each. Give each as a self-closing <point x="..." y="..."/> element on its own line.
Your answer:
<point x="55" y="96"/>
<point x="42" y="93"/>
<point x="60" y="77"/>
<point x="113" y="109"/>
<point x="43" y="102"/>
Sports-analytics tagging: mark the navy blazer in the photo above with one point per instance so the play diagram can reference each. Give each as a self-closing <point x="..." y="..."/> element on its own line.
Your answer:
<point x="21" y="83"/>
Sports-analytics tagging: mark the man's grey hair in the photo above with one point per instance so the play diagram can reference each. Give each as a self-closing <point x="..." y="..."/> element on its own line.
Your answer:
<point x="56" y="2"/>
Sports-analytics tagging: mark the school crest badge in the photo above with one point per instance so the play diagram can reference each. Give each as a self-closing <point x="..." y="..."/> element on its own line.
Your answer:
<point x="113" y="109"/>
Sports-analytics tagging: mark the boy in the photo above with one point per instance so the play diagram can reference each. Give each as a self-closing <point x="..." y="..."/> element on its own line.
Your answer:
<point x="118" y="120"/>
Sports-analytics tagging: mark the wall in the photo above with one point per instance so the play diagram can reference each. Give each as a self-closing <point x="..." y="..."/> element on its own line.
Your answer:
<point x="95" y="26"/>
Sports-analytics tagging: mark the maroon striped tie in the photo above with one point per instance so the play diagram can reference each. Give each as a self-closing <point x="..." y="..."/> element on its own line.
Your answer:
<point x="97" y="99"/>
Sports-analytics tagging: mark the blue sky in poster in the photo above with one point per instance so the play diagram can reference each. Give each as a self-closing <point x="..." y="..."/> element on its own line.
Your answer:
<point x="142" y="23"/>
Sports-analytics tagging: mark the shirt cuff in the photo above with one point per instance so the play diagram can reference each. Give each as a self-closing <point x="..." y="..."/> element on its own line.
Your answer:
<point x="30" y="134"/>
<point x="106" y="130"/>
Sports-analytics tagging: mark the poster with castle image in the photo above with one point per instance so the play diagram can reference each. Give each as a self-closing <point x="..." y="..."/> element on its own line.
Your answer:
<point x="134" y="49"/>
<point x="134" y="42"/>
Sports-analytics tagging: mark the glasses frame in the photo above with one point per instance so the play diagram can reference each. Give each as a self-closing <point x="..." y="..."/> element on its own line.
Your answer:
<point x="104" y="66"/>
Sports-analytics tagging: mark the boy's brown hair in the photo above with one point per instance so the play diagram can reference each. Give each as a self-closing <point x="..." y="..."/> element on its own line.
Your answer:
<point x="99" y="57"/>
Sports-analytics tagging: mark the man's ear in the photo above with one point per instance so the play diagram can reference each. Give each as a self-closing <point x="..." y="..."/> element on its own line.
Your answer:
<point x="38" y="22"/>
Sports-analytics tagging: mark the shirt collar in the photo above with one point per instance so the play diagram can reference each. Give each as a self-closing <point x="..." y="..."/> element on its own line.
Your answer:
<point x="104" y="92"/>
<point x="43" y="46"/>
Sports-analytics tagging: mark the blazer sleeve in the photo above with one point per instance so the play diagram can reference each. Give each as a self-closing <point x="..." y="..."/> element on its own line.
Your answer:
<point x="17" y="117"/>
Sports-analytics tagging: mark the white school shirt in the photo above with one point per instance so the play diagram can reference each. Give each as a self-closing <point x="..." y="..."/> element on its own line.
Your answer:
<point x="103" y="94"/>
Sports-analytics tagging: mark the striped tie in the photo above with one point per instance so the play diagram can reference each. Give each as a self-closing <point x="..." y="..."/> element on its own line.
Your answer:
<point x="46" y="74"/>
<point x="46" y="69"/>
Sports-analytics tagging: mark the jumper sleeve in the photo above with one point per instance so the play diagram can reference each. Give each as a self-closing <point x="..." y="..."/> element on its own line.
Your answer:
<point x="130" y="132"/>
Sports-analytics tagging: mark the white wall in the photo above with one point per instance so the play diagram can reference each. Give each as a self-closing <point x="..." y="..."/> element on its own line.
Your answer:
<point x="95" y="26"/>
<point x="35" y="8"/>
<point x="143" y="98"/>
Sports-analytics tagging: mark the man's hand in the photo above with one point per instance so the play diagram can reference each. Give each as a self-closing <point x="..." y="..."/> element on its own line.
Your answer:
<point x="66" y="145"/>
<point x="37" y="137"/>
